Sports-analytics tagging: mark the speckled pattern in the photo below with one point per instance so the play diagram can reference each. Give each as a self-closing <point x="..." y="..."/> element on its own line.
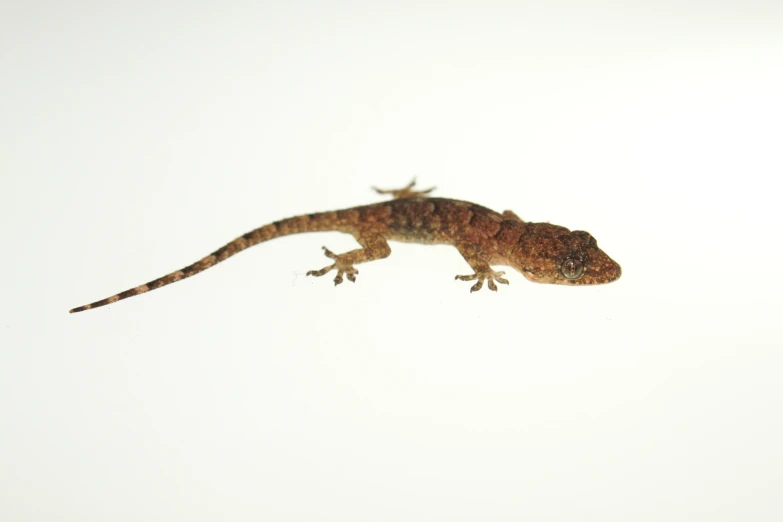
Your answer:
<point x="542" y="252"/>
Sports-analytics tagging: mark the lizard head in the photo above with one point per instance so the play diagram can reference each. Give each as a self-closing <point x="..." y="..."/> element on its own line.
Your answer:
<point x="559" y="256"/>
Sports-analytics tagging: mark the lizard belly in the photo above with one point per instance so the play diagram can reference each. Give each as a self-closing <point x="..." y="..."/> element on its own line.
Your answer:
<point x="419" y="235"/>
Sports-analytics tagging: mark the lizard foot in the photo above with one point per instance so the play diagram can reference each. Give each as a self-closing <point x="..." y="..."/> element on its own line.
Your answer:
<point x="405" y="192"/>
<point x="490" y="275"/>
<point x="342" y="269"/>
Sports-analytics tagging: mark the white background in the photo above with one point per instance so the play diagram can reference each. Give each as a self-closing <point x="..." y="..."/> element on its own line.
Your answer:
<point x="136" y="139"/>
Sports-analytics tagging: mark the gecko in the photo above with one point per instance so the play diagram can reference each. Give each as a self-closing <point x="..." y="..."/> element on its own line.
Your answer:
<point x="542" y="252"/>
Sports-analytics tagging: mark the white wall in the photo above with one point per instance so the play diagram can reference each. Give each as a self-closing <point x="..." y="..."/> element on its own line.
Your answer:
<point x="135" y="139"/>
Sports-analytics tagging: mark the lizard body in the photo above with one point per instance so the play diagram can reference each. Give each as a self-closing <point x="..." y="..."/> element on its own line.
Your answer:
<point x="543" y="252"/>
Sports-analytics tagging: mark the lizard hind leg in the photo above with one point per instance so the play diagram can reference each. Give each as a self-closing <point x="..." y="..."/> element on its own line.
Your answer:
<point x="374" y="247"/>
<point x="406" y="191"/>
<point x="342" y="269"/>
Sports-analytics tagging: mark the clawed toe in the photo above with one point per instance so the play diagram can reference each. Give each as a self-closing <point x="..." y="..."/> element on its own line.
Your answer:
<point x="490" y="275"/>
<point x="319" y="273"/>
<point x="349" y="273"/>
<point x="342" y="269"/>
<point x="405" y="192"/>
<point x="328" y="253"/>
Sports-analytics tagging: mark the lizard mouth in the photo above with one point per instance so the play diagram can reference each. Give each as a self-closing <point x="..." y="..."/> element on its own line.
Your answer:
<point x="535" y="278"/>
<point x="599" y="272"/>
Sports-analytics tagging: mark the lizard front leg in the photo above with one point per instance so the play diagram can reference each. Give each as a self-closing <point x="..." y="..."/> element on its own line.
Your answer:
<point x="374" y="247"/>
<point x="511" y="215"/>
<point x="478" y="262"/>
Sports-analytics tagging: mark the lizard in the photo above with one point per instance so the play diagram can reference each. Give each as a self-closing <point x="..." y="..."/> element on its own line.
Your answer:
<point x="542" y="252"/>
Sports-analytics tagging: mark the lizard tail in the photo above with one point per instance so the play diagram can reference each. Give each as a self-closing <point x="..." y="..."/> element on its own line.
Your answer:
<point x="295" y="225"/>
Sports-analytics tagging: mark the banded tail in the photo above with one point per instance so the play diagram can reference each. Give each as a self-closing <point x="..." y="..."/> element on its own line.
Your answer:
<point x="306" y="223"/>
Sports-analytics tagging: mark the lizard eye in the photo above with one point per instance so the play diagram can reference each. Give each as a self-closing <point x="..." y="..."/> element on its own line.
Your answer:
<point x="572" y="268"/>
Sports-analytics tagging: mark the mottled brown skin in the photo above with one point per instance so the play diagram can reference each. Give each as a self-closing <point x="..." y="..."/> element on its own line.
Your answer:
<point x="544" y="253"/>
